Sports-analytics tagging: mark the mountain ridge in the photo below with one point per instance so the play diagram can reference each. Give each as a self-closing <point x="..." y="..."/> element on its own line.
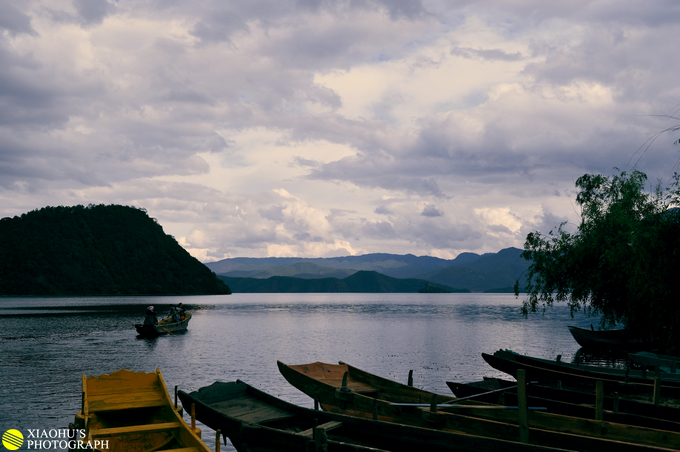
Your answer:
<point x="495" y="272"/>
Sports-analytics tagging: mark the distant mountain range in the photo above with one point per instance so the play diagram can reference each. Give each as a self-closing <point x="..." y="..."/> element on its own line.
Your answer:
<point x="491" y="272"/>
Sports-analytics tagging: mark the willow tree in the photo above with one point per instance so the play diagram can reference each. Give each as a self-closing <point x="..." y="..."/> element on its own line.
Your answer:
<point x="621" y="263"/>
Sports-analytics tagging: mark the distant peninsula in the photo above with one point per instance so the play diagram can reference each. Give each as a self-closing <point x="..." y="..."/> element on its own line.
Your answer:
<point x="97" y="250"/>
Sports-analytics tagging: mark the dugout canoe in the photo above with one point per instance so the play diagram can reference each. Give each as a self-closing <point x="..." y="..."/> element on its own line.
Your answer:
<point x="165" y="326"/>
<point x="572" y="403"/>
<point x="134" y="413"/>
<point x="607" y="339"/>
<point x="255" y="421"/>
<point x="345" y="389"/>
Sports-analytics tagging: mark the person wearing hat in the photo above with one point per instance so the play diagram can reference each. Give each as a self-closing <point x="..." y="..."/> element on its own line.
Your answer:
<point x="150" y="318"/>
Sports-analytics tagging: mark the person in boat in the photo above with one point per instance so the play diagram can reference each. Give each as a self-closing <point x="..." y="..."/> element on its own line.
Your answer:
<point x="150" y="317"/>
<point x="181" y="311"/>
<point x="173" y="314"/>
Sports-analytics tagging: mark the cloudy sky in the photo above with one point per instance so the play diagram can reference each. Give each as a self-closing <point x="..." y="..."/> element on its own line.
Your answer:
<point x="327" y="128"/>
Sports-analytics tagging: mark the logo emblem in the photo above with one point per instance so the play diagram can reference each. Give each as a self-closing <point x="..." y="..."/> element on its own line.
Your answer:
<point x="12" y="439"/>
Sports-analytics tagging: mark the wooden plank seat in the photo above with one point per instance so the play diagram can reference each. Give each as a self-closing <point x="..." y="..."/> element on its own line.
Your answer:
<point x="145" y="428"/>
<point x="327" y="426"/>
<point x="124" y="400"/>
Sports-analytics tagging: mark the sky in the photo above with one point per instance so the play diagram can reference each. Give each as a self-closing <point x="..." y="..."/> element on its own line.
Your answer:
<point x="319" y="128"/>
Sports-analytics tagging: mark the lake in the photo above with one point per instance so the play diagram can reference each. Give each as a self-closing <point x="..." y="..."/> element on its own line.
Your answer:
<point x="47" y="344"/>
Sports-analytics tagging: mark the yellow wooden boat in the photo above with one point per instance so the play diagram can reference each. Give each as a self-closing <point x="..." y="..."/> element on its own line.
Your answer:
<point x="128" y="411"/>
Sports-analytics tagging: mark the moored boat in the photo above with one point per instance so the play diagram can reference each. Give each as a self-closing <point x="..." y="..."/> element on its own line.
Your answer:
<point x="664" y="363"/>
<point x="256" y="421"/>
<point x="572" y="403"/>
<point x="607" y="339"/>
<point x="623" y="381"/>
<point x="128" y="411"/>
<point x="165" y="326"/>
<point x="346" y="389"/>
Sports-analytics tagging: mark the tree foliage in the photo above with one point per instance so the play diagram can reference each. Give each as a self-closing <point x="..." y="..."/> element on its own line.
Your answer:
<point x="96" y="250"/>
<point x="621" y="262"/>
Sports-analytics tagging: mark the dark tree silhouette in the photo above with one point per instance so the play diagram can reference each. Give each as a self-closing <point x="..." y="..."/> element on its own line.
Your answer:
<point x="96" y="250"/>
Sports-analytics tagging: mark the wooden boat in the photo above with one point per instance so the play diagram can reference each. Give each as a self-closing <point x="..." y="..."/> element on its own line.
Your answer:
<point x="623" y="381"/>
<point x="130" y="411"/>
<point x="664" y="363"/>
<point x="348" y="390"/>
<point x="256" y="421"/>
<point x="572" y="403"/>
<point x="632" y="375"/>
<point x="607" y="339"/>
<point x="165" y="326"/>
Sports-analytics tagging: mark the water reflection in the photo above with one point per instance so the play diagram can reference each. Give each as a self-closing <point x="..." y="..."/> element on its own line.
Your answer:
<point x="604" y="358"/>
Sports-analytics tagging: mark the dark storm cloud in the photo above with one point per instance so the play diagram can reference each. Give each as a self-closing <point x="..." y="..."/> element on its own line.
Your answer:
<point x="382" y="230"/>
<point x="499" y="228"/>
<point x="25" y="99"/>
<point x="649" y="14"/>
<point x="301" y="162"/>
<point x="431" y="211"/>
<point x="404" y="8"/>
<point x="615" y="57"/>
<point x="220" y="25"/>
<point x="189" y="96"/>
<point x="13" y="20"/>
<point x="486" y="54"/>
<point x="309" y="46"/>
<point x="378" y="172"/>
<point x="92" y="12"/>
<point x="219" y="21"/>
<point x="440" y="234"/>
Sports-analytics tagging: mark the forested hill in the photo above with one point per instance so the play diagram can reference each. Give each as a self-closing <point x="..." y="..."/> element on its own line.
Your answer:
<point x="97" y="250"/>
<point x="361" y="282"/>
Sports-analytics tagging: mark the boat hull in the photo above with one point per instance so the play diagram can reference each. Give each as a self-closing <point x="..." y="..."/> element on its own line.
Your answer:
<point x="607" y="339"/>
<point x="623" y="381"/>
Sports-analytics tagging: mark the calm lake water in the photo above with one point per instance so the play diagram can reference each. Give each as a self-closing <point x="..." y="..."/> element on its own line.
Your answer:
<point x="47" y="344"/>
